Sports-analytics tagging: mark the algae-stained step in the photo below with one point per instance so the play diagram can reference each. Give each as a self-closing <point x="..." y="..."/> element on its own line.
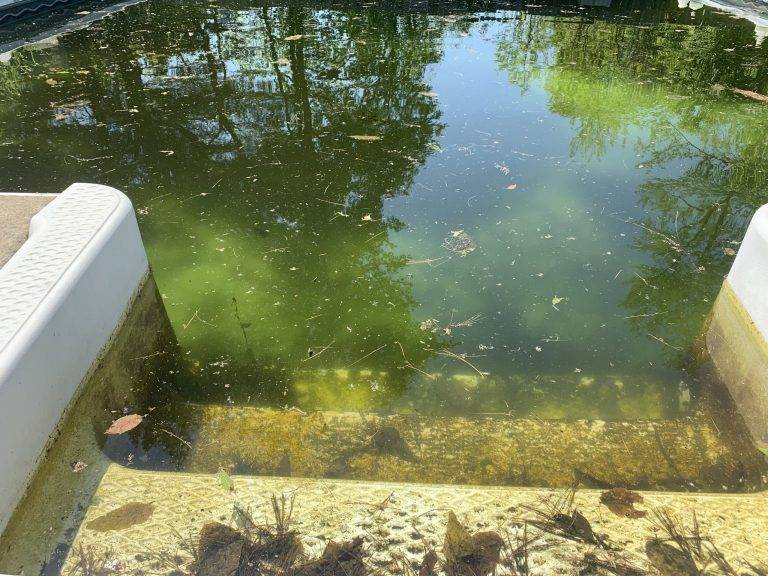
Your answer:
<point x="162" y="515"/>
<point x="691" y="453"/>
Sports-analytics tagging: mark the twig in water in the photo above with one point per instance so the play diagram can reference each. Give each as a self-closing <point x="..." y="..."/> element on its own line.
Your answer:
<point x="411" y="366"/>
<point x="323" y="349"/>
<point x="644" y="280"/>
<point x="195" y="316"/>
<point x="366" y="356"/>
<point x="460" y="358"/>
<point x="664" y="342"/>
<point x="674" y="244"/>
<point x="177" y="437"/>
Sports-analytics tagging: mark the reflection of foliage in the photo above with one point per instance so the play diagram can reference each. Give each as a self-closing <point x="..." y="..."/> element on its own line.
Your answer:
<point x="261" y="214"/>
<point x="663" y="90"/>
<point x="12" y="75"/>
<point x="705" y="209"/>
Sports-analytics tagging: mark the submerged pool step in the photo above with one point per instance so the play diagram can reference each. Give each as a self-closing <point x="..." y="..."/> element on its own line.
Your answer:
<point x="397" y="521"/>
<point x="685" y="454"/>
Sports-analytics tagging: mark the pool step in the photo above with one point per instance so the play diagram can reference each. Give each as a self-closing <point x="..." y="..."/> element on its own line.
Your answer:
<point x="683" y="454"/>
<point x="555" y="395"/>
<point x="397" y="521"/>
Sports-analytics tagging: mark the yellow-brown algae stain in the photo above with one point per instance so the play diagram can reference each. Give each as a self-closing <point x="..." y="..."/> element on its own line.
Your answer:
<point x="124" y="517"/>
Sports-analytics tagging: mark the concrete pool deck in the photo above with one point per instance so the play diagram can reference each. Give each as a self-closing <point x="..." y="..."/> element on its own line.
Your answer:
<point x="16" y="211"/>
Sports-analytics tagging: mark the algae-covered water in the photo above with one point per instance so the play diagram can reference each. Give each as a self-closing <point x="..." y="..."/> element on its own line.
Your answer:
<point x="425" y="214"/>
<point x="469" y="243"/>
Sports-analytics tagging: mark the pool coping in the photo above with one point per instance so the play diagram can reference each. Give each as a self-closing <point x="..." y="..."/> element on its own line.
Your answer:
<point x="65" y="292"/>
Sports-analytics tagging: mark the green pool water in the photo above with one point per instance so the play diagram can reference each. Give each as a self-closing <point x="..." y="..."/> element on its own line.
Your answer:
<point x="446" y="211"/>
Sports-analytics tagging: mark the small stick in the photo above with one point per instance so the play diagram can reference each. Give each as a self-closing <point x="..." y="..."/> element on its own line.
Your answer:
<point x="321" y="351"/>
<point x="411" y="366"/>
<point x="664" y="342"/>
<point x="177" y="437"/>
<point x="366" y="356"/>
<point x="450" y="354"/>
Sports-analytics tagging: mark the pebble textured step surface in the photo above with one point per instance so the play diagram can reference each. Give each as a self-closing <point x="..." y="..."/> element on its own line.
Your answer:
<point x="397" y="520"/>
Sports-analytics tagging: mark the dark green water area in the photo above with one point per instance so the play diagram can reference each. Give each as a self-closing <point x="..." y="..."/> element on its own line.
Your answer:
<point x="415" y="210"/>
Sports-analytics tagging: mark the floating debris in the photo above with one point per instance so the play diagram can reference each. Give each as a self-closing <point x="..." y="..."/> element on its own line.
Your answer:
<point x="124" y="424"/>
<point x="460" y="243"/>
<point x="366" y="137"/>
<point x="750" y="94"/>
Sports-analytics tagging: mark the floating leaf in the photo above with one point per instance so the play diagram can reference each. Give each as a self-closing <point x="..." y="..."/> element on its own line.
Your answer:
<point x="124" y="517"/>
<point x="367" y="218"/>
<point x="225" y="480"/>
<point x="124" y="424"/>
<point x="51" y="82"/>
<point x="512" y="187"/>
<point x="555" y="301"/>
<point x="750" y="94"/>
<point x="366" y="137"/>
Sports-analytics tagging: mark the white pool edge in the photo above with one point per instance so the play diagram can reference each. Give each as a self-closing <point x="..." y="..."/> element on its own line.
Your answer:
<point x="62" y="297"/>
<point x="749" y="274"/>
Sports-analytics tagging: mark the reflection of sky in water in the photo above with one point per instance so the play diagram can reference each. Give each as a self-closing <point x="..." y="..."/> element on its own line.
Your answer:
<point x="559" y="234"/>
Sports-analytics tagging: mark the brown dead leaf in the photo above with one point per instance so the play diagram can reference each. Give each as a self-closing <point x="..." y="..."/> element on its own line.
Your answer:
<point x="51" y="82"/>
<point x="429" y="94"/>
<point x="124" y="424"/>
<point x="294" y="37"/>
<point x="622" y="502"/>
<point x="512" y="187"/>
<point x="470" y="554"/>
<point x="282" y="62"/>
<point x="366" y="137"/>
<point x="750" y="94"/>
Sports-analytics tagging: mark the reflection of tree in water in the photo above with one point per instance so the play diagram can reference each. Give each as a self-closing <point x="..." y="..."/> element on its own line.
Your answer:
<point x="264" y="218"/>
<point x="665" y="91"/>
